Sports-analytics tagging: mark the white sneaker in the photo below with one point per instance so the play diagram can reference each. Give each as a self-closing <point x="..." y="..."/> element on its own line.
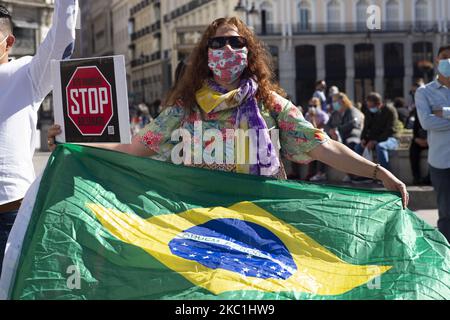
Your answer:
<point x="319" y="177"/>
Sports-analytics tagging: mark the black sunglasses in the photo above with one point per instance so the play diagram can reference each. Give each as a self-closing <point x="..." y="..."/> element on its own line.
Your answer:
<point x="235" y="42"/>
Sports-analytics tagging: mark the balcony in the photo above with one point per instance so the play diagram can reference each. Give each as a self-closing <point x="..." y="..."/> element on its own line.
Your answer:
<point x="268" y="29"/>
<point x="153" y="28"/>
<point x="144" y="4"/>
<point x="191" y="5"/>
<point x="156" y="26"/>
<point x="146" y="59"/>
<point x="404" y="27"/>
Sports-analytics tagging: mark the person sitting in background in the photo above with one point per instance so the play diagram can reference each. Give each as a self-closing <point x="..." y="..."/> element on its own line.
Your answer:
<point x="318" y="118"/>
<point x="334" y="121"/>
<point x="379" y="129"/>
<point x="315" y="115"/>
<point x="352" y="121"/>
<point x="402" y="111"/>
<point x="331" y="93"/>
<point x="346" y="123"/>
<point x="330" y="127"/>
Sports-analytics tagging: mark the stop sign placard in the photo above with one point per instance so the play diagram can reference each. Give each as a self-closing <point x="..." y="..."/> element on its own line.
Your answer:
<point x="89" y="101"/>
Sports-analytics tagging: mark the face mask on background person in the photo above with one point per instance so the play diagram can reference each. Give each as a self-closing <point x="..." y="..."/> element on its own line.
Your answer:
<point x="373" y="110"/>
<point x="228" y="64"/>
<point x="336" y="106"/>
<point x="1" y="43"/>
<point x="444" y="67"/>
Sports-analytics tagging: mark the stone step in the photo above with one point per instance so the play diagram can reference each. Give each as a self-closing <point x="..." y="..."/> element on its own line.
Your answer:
<point x="421" y="197"/>
<point x="399" y="161"/>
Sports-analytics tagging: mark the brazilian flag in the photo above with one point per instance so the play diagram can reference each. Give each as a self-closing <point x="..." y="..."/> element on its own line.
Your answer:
<point x="105" y="225"/>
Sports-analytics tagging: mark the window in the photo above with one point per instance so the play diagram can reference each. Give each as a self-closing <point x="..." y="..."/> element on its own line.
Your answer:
<point x="392" y="15"/>
<point x="335" y="65"/>
<point x="334" y="15"/>
<point x="423" y="60"/>
<point x="394" y="65"/>
<point x="361" y="14"/>
<point x="304" y="16"/>
<point x="394" y="70"/>
<point x="305" y="58"/>
<point x="266" y="17"/>
<point x="364" y="70"/>
<point x="421" y="10"/>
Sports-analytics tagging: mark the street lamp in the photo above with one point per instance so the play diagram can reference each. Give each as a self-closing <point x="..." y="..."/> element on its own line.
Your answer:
<point x="250" y="12"/>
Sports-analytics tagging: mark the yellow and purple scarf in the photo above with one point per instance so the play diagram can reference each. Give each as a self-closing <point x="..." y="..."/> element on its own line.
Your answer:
<point x="214" y="98"/>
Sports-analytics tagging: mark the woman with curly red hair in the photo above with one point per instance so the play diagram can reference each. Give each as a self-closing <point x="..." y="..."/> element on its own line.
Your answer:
<point x="228" y="85"/>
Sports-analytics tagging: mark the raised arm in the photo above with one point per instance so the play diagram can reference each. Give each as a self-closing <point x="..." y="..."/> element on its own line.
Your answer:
<point x="340" y="157"/>
<point x="136" y="148"/>
<point x="58" y="45"/>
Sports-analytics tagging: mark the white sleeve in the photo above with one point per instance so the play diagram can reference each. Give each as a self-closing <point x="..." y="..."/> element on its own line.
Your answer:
<point x="15" y="240"/>
<point x="58" y="45"/>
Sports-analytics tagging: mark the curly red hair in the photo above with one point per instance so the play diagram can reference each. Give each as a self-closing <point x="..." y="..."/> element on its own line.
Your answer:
<point x="260" y="66"/>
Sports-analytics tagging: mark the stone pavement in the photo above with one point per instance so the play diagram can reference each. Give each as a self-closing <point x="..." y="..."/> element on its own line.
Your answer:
<point x="40" y="161"/>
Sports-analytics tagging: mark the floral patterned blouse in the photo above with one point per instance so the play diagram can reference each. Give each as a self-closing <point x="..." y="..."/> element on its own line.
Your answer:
<point x="297" y="136"/>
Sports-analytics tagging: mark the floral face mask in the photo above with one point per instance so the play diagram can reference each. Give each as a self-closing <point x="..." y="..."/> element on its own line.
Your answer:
<point x="228" y="64"/>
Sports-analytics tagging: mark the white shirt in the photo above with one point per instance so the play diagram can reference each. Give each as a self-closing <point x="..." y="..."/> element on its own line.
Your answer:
<point x="24" y="83"/>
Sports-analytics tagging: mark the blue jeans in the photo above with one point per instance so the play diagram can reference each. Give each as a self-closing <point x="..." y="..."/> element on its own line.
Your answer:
<point x="441" y="183"/>
<point x="382" y="150"/>
<point x="6" y="222"/>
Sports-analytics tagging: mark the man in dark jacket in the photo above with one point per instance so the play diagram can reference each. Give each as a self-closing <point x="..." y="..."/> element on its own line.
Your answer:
<point x="379" y="129"/>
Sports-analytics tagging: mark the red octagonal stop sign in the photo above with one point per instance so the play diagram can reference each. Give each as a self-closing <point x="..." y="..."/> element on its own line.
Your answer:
<point x="89" y="101"/>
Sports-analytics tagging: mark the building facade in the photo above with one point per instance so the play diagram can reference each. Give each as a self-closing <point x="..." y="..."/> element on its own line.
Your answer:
<point x="308" y="39"/>
<point x="146" y="50"/>
<point x="120" y="12"/>
<point x="96" y="36"/>
<point x="320" y="39"/>
<point x="330" y="39"/>
<point x="184" y="22"/>
<point x="32" y="21"/>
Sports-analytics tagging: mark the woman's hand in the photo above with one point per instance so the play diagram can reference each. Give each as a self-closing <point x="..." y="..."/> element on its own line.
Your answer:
<point x="136" y="148"/>
<point x="392" y="183"/>
<point x="54" y="131"/>
<point x="340" y="157"/>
